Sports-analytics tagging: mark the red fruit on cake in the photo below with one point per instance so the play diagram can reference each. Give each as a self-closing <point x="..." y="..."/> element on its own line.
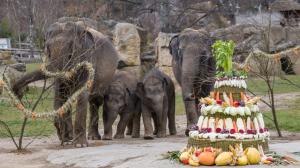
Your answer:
<point x="219" y="102"/>
<point x="236" y="103"/>
<point x="218" y="130"/>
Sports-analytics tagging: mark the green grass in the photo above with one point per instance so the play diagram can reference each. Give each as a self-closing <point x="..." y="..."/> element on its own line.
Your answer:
<point x="14" y="118"/>
<point x="288" y="119"/>
<point x="280" y="86"/>
<point x="179" y="106"/>
<point x="33" y="66"/>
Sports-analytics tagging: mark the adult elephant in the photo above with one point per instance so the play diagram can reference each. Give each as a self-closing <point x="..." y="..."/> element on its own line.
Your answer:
<point x="193" y="67"/>
<point x="67" y="44"/>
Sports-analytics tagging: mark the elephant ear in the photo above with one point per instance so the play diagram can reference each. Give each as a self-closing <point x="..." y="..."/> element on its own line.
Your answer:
<point x="174" y="49"/>
<point x="86" y="38"/>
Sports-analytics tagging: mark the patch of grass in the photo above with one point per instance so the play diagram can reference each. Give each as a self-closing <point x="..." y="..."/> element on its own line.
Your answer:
<point x="179" y="106"/>
<point x="259" y="87"/>
<point x="288" y="119"/>
<point x="32" y="66"/>
<point x="14" y="118"/>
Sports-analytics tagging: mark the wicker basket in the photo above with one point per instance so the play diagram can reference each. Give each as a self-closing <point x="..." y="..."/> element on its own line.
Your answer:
<point x="224" y="144"/>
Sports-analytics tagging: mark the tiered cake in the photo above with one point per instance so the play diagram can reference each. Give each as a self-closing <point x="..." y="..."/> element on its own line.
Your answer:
<point x="229" y="116"/>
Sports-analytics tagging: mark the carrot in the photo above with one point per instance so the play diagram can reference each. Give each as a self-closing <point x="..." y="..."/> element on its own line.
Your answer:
<point x="242" y="96"/>
<point x="251" y="124"/>
<point x="212" y="95"/>
<point x="234" y="126"/>
<point x="208" y="122"/>
<point x="216" y="123"/>
<point x="245" y="125"/>
<point x="224" y="123"/>
<point x="218" y="95"/>
<point x="231" y="99"/>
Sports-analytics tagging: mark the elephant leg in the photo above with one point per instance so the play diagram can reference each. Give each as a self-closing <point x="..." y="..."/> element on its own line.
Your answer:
<point x="95" y="102"/>
<point x="108" y="120"/>
<point x="124" y="119"/>
<point x="146" y="114"/>
<point x="80" y="120"/>
<point x="191" y="114"/>
<point x="63" y="124"/>
<point x="155" y="121"/>
<point x="162" y="122"/>
<point x="136" y="124"/>
<point x="129" y="127"/>
<point x="171" y="116"/>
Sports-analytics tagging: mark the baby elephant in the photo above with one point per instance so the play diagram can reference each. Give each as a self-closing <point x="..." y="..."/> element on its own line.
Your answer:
<point x="157" y="94"/>
<point x="120" y="99"/>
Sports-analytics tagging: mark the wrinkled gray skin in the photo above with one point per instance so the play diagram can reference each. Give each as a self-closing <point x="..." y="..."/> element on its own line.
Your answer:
<point x="193" y="67"/>
<point x="67" y="44"/>
<point x="120" y="99"/>
<point x="157" y="94"/>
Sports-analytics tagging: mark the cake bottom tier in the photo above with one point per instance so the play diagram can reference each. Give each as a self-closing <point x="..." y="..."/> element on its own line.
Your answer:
<point x="224" y="144"/>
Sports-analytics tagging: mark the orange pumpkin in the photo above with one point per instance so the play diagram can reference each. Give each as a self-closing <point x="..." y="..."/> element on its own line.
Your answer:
<point x="207" y="158"/>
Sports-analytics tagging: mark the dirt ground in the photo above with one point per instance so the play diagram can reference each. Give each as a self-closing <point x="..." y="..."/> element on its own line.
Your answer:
<point x="38" y="152"/>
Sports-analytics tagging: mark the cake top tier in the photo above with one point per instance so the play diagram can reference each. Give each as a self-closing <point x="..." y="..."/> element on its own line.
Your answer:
<point x="238" y="82"/>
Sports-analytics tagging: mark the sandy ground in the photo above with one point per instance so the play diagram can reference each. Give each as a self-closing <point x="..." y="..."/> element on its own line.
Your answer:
<point x="47" y="152"/>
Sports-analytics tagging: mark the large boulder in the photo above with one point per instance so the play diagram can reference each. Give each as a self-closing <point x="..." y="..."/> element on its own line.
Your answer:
<point x="162" y="53"/>
<point x="127" y="42"/>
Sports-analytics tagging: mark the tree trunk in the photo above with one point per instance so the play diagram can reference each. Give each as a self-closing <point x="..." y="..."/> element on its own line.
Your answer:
<point x="274" y="112"/>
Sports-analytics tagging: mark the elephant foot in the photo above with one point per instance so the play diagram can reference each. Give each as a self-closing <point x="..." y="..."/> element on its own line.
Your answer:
<point x="128" y="132"/>
<point x="173" y="132"/>
<point x="119" y="136"/>
<point x="135" y="135"/>
<point x="187" y="131"/>
<point x="155" y="132"/>
<point x="106" y="137"/>
<point x="94" y="136"/>
<point x="80" y="140"/>
<point x="148" y="137"/>
<point x="161" y="135"/>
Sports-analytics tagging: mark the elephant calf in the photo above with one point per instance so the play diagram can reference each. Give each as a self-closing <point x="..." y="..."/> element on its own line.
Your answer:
<point x="157" y="94"/>
<point x="120" y="99"/>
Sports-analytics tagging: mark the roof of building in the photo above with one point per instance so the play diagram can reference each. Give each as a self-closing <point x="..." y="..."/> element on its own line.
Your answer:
<point x="285" y="5"/>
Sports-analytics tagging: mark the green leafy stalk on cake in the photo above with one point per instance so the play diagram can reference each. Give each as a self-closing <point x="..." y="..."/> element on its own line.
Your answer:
<point x="223" y="52"/>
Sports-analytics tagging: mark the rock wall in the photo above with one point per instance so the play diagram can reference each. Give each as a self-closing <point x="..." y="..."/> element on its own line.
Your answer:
<point x="248" y="37"/>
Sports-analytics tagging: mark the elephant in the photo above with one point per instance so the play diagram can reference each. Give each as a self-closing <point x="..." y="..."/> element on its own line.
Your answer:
<point x="67" y="44"/>
<point x="120" y="99"/>
<point x="157" y="94"/>
<point x="194" y="68"/>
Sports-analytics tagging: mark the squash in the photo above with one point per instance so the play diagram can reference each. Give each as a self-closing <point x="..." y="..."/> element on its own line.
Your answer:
<point x="253" y="155"/>
<point x="207" y="158"/>
<point x="242" y="160"/>
<point x="224" y="158"/>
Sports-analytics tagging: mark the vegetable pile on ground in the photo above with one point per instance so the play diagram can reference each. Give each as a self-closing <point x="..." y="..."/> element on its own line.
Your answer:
<point x="236" y="155"/>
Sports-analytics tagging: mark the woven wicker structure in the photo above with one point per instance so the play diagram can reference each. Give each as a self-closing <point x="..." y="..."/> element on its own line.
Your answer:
<point x="224" y="144"/>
